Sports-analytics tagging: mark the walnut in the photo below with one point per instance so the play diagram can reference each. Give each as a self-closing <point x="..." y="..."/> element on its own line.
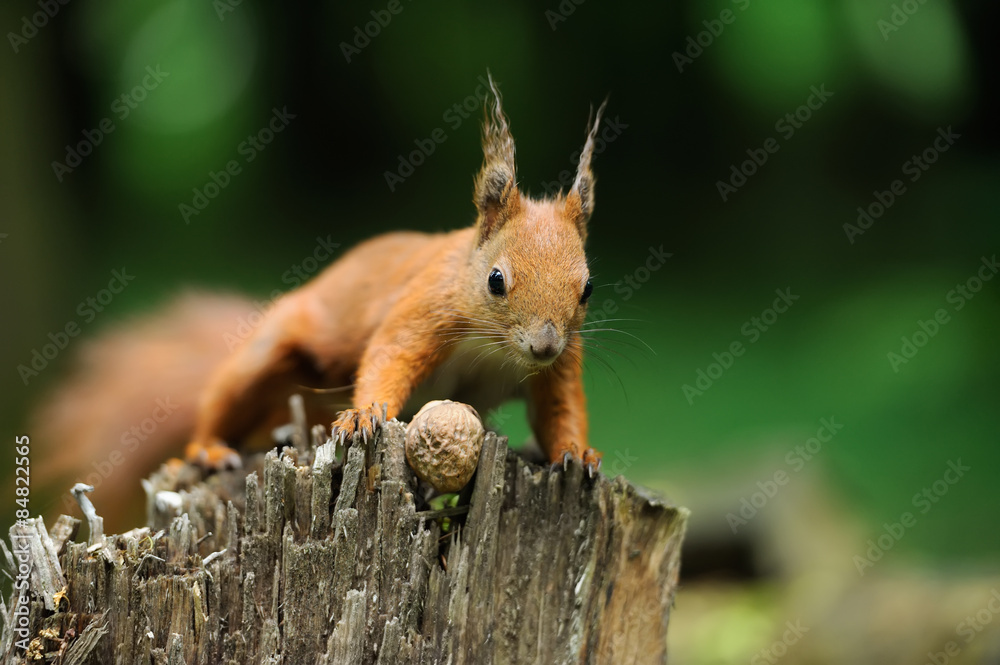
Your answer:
<point x="443" y="442"/>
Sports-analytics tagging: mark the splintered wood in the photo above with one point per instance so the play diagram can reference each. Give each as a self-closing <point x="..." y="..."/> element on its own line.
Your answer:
<point x="331" y="563"/>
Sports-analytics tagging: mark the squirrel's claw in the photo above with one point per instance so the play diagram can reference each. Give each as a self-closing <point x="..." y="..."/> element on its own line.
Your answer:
<point x="362" y="422"/>
<point x="215" y="456"/>
<point x="592" y="462"/>
<point x="561" y="461"/>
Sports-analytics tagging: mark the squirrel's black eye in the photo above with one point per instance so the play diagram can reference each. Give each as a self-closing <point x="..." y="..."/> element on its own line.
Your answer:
<point x="587" y="290"/>
<point x="496" y="284"/>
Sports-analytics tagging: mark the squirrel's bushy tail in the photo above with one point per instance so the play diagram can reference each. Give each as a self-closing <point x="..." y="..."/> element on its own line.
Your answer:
<point x="130" y="403"/>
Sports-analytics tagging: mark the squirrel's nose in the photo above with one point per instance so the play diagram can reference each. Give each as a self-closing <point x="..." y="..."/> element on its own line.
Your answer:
<point x="545" y="345"/>
<point x="544" y="352"/>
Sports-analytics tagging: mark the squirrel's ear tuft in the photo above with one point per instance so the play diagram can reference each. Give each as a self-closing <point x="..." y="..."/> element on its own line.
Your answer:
<point x="580" y="200"/>
<point x="496" y="195"/>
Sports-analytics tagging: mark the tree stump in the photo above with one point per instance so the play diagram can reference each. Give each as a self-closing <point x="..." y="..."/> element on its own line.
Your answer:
<point x="332" y="562"/>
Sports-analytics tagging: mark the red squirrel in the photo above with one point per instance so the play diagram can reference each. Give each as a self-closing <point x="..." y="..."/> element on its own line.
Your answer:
<point x="480" y="315"/>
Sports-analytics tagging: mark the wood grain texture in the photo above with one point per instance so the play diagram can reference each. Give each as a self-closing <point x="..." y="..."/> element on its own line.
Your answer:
<point x="315" y="560"/>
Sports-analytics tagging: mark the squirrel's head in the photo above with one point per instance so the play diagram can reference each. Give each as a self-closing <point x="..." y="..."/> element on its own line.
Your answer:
<point x="529" y="268"/>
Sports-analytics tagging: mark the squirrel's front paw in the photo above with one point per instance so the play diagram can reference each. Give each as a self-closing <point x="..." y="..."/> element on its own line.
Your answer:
<point x="591" y="461"/>
<point x="213" y="456"/>
<point x="590" y="458"/>
<point x="363" y="421"/>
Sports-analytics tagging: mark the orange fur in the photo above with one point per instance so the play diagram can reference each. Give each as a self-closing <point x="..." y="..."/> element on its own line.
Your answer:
<point x="391" y="312"/>
<point x="398" y="316"/>
<point x="145" y="373"/>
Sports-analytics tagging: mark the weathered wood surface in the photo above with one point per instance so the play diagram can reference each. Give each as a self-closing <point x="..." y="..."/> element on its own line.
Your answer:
<point x="334" y="563"/>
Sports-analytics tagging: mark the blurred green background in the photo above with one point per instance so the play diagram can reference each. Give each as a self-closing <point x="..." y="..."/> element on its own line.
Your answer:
<point x="693" y="87"/>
